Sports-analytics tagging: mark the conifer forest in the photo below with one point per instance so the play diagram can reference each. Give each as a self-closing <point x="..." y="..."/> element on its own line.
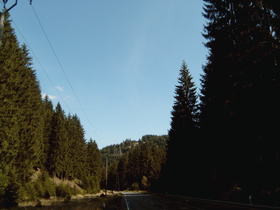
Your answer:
<point x="223" y="142"/>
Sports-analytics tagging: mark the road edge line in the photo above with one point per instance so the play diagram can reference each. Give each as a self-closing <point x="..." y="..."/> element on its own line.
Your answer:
<point x="126" y="202"/>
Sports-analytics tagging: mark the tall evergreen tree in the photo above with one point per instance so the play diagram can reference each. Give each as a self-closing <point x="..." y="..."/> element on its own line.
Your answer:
<point x="9" y="110"/>
<point x="77" y="148"/>
<point x="182" y="135"/>
<point x="58" y="156"/>
<point x="94" y="167"/>
<point x="21" y="113"/>
<point x="31" y="123"/>
<point x="48" y="113"/>
<point x="243" y="67"/>
<point x="94" y="159"/>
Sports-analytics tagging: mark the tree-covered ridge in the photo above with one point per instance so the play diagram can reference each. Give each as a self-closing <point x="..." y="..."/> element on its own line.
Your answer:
<point x="118" y="149"/>
<point x="36" y="137"/>
<point x="139" y="164"/>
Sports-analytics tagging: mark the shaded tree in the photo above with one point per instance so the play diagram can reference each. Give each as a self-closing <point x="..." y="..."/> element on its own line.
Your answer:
<point x="182" y="135"/>
<point x="21" y="122"/>
<point x="94" y="167"/>
<point x="237" y="121"/>
<point x="58" y="156"/>
<point x="48" y="113"/>
<point x="77" y="148"/>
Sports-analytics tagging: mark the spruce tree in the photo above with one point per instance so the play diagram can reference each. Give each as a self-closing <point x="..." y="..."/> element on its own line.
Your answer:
<point x="182" y="135"/>
<point x="9" y="110"/>
<point x="48" y="113"/>
<point x="94" y="159"/>
<point x="94" y="167"/>
<point x="58" y="156"/>
<point x="243" y="64"/>
<point x="31" y="122"/>
<point x="20" y="114"/>
<point x="77" y="148"/>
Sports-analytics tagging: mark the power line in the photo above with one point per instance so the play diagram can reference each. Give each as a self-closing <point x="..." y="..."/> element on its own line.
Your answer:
<point x="61" y="67"/>
<point x="34" y="55"/>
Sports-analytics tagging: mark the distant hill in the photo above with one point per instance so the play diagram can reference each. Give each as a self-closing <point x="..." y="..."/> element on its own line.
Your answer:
<point x="118" y="149"/>
<point x="115" y="151"/>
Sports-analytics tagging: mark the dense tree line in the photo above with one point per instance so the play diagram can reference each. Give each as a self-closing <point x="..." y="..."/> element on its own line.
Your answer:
<point x="223" y="146"/>
<point x="35" y="136"/>
<point x="232" y="148"/>
<point x="139" y="167"/>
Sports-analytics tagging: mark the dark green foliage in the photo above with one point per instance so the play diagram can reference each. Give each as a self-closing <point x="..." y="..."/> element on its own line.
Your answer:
<point x="91" y="184"/>
<point x="65" y="191"/>
<point x="240" y="95"/>
<point x="33" y="135"/>
<point x="143" y="161"/>
<point x="227" y="147"/>
<point x="9" y="110"/>
<point x="77" y="167"/>
<point x="92" y="167"/>
<point x="21" y="119"/>
<point x="31" y="122"/>
<point x="48" y="113"/>
<point x="9" y="196"/>
<point x="58" y="156"/>
<point x="182" y="135"/>
<point x="41" y="187"/>
<point x="94" y="163"/>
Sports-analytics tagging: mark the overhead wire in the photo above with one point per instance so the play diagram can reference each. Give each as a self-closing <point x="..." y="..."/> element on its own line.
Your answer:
<point x="36" y="58"/>
<point x="62" y="69"/>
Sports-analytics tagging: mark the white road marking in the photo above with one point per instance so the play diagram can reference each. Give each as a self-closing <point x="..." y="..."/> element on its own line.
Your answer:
<point x="127" y="206"/>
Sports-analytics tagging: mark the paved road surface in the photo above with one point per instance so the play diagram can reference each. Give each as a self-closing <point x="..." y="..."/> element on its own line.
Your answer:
<point x="139" y="201"/>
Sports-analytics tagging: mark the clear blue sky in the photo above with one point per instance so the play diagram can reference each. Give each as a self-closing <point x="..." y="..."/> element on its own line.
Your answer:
<point x="122" y="58"/>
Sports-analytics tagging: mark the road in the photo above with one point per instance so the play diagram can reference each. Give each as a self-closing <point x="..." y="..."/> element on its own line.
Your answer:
<point x="139" y="201"/>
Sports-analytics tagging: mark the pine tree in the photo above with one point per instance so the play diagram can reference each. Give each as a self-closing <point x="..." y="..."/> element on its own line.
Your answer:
<point x="182" y="135"/>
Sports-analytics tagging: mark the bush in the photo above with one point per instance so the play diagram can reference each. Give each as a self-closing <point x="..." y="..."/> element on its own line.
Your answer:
<point x="65" y="191"/>
<point x="145" y="183"/>
<point x="9" y="196"/>
<point x="135" y="186"/>
<point x="43" y="187"/>
<point x="27" y="192"/>
<point x="49" y="187"/>
<point x="91" y="184"/>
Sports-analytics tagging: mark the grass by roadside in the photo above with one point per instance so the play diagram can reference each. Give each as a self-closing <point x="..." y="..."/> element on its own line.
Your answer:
<point x="85" y="202"/>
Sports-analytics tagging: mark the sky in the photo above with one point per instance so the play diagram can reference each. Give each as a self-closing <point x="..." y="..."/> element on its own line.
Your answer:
<point x="114" y="63"/>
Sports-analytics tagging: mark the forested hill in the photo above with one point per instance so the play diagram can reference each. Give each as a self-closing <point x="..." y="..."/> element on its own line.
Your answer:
<point x="115" y="151"/>
<point x="118" y="149"/>
<point x="134" y="164"/>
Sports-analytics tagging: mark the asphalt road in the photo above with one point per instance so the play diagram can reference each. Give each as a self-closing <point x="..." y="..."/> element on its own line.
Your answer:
<point x="139" y="201"/>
